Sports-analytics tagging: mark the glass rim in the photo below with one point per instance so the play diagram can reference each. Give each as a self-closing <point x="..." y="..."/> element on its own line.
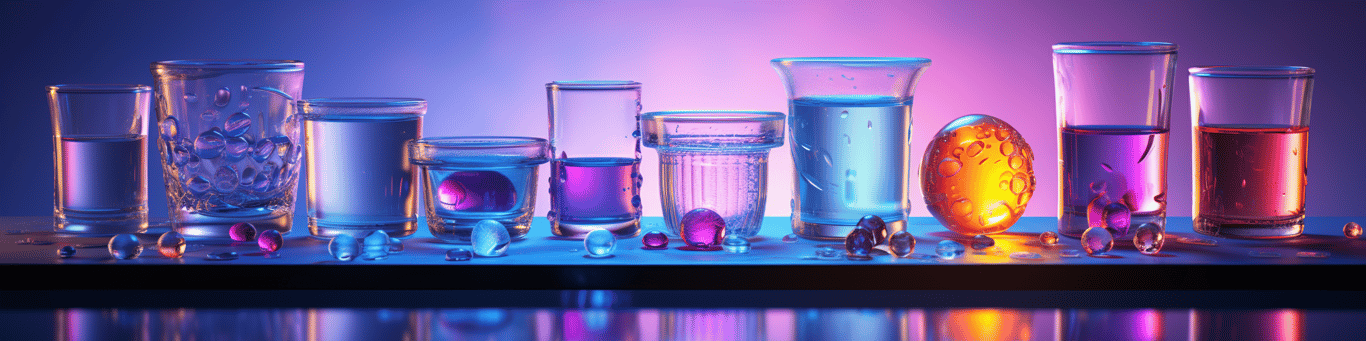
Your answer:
<point x="715" y="116"/>
<point x="1114" y="47"/>
<point x="479" y="142"/>
<point x="1251" y="71"/>
<point x="98" y="88"/>
<point x="855" y="61"/>
<point x="363" y="102"/>
<point x="593" y="85"/>
<point x="230" y="64"/>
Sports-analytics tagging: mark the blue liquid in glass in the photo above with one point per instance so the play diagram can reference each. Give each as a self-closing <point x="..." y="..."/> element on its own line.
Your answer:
<point x="590" y="193"/>
<point x="852" y="157"/>
<point x="359" y="177"/>
<point x="102" y="184"/>
<point x="460" y="195"/>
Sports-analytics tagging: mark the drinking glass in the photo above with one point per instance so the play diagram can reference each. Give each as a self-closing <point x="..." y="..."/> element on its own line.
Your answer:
<point x="359" y="176"/>
<point x="470" y="179"/>
<point x="1113" y="110"/>
<point x="595" y="157"/>
<point x="1250" y="127"/>
<point x="229" y="143"/>
<point x="716" y="160"/>
<point x="100" y="154"/>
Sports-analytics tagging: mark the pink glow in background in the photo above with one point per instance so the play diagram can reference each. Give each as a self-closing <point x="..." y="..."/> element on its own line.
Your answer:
<point x="483" y="65"/>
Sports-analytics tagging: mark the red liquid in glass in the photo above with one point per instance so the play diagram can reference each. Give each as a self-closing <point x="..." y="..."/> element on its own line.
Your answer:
<point x="1251" y="181"/>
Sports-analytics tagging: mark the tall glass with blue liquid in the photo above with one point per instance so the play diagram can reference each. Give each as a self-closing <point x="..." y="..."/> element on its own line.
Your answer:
<point x="1113" y="114"/>
<point x="850" y="124"/>
<point x="595" y="157"/>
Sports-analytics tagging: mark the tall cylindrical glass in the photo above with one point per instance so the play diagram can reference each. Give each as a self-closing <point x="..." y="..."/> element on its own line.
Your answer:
<point x="1250" y="127"/>
<point x="850" y="133"/>
<point x="716" y="160"/>
<point x="1113" y="107"/>
<point x="99" y="139"/>
<point x="595" y="157"/>
<point x="359" y="176"/>
<point x="229" y="143"/>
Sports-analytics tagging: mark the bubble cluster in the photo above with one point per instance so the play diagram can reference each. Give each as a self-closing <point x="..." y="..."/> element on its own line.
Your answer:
<point x="977" y="175"/>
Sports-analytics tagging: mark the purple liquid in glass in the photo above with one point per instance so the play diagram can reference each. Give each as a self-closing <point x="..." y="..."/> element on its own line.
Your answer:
<point x="1112" y="164"/>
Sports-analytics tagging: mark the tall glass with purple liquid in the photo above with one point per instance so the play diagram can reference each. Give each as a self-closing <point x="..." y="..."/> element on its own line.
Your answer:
<point x="716" y="160"/>
<point x="595" y="157"/>
<point x="1113" y="112"/>
<point x="100" y="153"/>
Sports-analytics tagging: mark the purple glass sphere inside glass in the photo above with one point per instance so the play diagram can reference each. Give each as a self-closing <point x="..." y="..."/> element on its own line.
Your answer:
<point x="703" y="229"/>
<point x="478" y="191"/>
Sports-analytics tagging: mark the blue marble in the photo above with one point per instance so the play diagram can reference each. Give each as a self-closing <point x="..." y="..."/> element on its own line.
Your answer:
<point x="600" y="243"/>
<point x="490" y="238"/>
<point x="125" y="246"/>
<point x="901" y="243"/>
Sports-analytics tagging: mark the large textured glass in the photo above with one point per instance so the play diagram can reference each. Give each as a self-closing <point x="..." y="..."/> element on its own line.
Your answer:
<point x="595" y="157"/>
<point x="1250" y="127"/>
<point x="235" y="151"/>
<point x="1113" y="105"/>
<point x="359" y="176"/>
<point x="99" y="138"/>
<point x="716" y="160"/>
<point x="850" y="131"/>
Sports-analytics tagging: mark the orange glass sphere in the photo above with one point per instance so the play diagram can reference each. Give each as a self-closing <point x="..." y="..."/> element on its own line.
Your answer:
<point x="977" y="175"/>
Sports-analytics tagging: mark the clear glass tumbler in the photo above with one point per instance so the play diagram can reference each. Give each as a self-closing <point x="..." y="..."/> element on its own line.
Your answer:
<point x="359" y="176"/>
<point x="595" y="157"/>
<point x="100" y="153"/>
<point x="1250" y="127"/>
<point x="1113" y="111"/>
<point x="469" y="179"/>
<point x="229" y="143"/>
<point x="850" y="132"/>
<point x="716" y="160"/>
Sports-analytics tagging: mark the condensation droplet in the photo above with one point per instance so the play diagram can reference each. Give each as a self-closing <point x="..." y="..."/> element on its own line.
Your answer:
<point x="949" y="167"/>
<point x="962" y="207"/>
<point x="844" y="114"/>
<point x="975" y="149"/>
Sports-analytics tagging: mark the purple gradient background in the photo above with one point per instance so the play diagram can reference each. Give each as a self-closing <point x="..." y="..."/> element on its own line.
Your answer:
<point x="483" y="66"/>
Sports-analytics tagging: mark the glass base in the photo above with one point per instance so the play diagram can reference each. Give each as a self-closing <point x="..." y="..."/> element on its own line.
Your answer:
<point x="622" y="229"/>
<point x="325" y="230"/>
<point x="213" y="227"/>
<point x="457" y="230"/>
<point x="1249" y="229"/>
<point x="819" y="231"/>
<point x="100" y="223"/>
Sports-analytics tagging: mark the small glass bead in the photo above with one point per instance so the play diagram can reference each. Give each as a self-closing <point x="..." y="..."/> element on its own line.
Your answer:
<point x="1148" y="239"/>
<point x="982" y="242"/>
<point x="171" y="244"/>
<point x="1097" y="240"/>
<point x="459" y="254"/>
<point x="735" y="244"/>
<point x="1351" y="230"/>
<point x="949" y="249"/>
<point x="901" y="243"/>
<point x="1048" y="238"/>
<point x="343" y="247"/>
<point x="242" y="232"/>
<point x="791" y="238"/>
<point x="66" y="252"/>
<point x="270" y="241"/>
<point x="125" y="246"/>
<point x="655" y="240"/>
<point x="600" y="243"/>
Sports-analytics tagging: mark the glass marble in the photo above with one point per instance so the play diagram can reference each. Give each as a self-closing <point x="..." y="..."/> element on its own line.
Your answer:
<point x="703" y="229"/>
<point x="1025" y="255"/>
<point x="125" y="246"/>
<point x="901" y="243"/>
<point x="1097" y="240"/>
<point x="221" y="256"/>
<point x="1116" y="216"/>
<point x="859" y="242"/>
<point x="655" y="240"/>
<point x="1351" y="230"/>
<point x="600" y="243"/>
<point x="1048" y="238"/>
<point x="459" y="254"/>
<point x="791" y="238"/>
<point x="375" y="246"/>
<point x="1148" y="239"/>
<point x="270" y="241"/>
<point x="949" y="249"/>
<point x="242" y="232"/>
<point x="1069" y="253"/>
<point x="875" y="225"/>
<point x="735" y="244"/>
<point x="981" y="242"/>
<point x="395" y="245"/>
<point x="965" y="154"/>
<point x="171" y="244"/>
<point x="828" y="253"/>
<point x="343" y="247"/>
<point x="490" y="238"/>
<point x="66" y="252"/>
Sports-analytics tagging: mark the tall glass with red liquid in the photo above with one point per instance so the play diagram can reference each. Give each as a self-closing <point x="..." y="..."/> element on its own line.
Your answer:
<point x="1250" y="140"/>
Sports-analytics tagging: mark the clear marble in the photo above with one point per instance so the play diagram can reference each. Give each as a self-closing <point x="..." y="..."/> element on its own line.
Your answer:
<point x="1148" y="239"/>
<point x="901" y="243"/>
<point x="600" y="243"/>
<point x="490" y="238"/>
<point x="125" y="246"/>
<point x="171" y="244"/>
<point x="1097" y="240"/>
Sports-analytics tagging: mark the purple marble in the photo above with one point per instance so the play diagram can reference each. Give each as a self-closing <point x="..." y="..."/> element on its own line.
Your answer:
<point x="875" y="225"/>
<point x="242" y="232"/>
<point x="476" y="191"/>
<point x="703" y="229"/>
<point x="655" y="240"/>
<point x="859" y="242"/>
<point x="270" y="241"/>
